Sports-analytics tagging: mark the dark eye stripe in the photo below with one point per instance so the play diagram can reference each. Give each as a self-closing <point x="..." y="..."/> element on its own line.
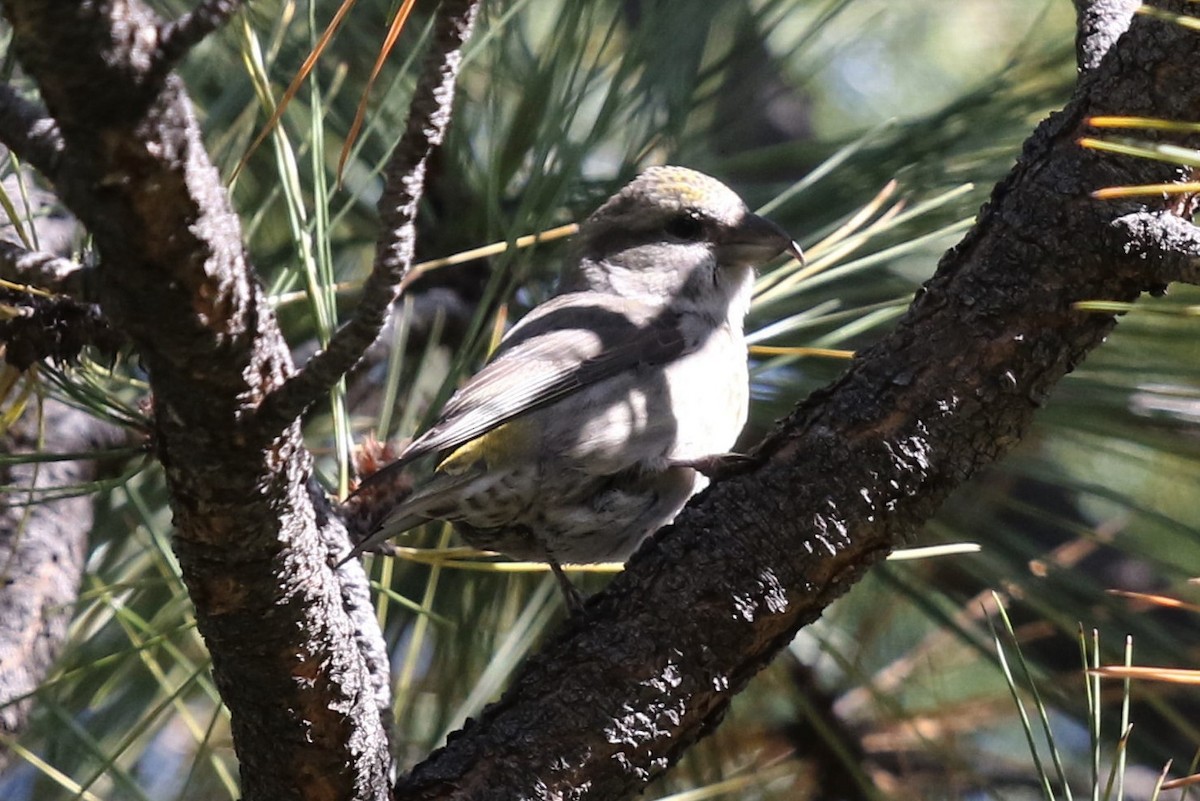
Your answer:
<point x="687" y="227"/>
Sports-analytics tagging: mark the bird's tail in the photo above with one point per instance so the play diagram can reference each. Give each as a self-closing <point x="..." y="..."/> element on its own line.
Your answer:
<point x="392" y="526"/>
<point x="434" y="501"/>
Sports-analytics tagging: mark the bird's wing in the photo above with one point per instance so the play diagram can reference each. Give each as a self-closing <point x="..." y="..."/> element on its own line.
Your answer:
<point x="565" y="344"/>
<point x="568" y="343"/>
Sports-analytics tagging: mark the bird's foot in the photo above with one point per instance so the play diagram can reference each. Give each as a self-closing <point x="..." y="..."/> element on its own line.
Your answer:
<point x="572" y="596"/>
<point x="381" y="547"/>
<point x="716" y="464"/>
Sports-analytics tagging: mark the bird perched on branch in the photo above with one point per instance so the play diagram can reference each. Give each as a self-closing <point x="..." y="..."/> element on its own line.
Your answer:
<point x="590" y="426"/>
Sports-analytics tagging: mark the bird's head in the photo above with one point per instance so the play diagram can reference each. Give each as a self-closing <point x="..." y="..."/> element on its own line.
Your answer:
<point x="677" y="236"/>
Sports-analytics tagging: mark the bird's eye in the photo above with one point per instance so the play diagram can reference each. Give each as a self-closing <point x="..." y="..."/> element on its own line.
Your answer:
<point x="685" y="227"/>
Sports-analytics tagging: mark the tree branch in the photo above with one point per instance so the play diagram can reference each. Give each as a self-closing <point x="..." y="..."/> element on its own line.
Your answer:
<point x="42" y="270"/>
<point x="308" y="690"/>
<point x="42" y="550"/>
<point x="404" y="182"/>
<point x="1169" y="244"/>
<point x="177" y="38"/>
<point x="26" y="130"/>
<point x="1098" y="24"/>
<point x="856" y="469"/>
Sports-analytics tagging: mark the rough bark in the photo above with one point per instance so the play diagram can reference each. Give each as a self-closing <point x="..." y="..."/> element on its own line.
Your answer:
<point x="855" y="469"/>
<point x="1098" y="24"/>
<point x="295" y="654"/>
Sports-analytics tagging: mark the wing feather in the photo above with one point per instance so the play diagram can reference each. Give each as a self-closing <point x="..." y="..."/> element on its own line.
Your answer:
<point x="567" y="343"/>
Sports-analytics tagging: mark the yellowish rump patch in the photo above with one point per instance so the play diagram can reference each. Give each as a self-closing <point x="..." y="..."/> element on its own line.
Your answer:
<point x="503" y="443"/>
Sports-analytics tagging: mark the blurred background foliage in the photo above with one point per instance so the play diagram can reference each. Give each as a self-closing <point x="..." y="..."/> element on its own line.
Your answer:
<point x="873" y="131"/>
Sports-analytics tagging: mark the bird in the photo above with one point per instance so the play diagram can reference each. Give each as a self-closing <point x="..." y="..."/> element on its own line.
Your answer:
<point x="599" y="413"/>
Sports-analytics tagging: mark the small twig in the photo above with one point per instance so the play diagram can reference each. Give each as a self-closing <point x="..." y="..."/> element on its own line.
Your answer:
<point x="28" y="131"/>
<point x="41" y="270"/>
<point x="404" y="182"/>
<point x="178" y="37"/>
<point x="1170" y="242"/>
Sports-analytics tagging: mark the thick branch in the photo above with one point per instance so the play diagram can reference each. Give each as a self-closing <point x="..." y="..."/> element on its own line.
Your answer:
<point x="404" y="182"/>
<point x="855" y="470"/>
<point x="42" y="549"/>
<point x="308" y="691"/>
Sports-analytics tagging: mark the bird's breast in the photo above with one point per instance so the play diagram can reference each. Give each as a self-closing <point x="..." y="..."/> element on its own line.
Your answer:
<point x="690" y="407"/>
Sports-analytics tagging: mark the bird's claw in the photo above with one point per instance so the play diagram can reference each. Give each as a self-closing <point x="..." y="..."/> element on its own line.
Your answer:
<point x="570" y="594"/>
<point x="714" y="464"/>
